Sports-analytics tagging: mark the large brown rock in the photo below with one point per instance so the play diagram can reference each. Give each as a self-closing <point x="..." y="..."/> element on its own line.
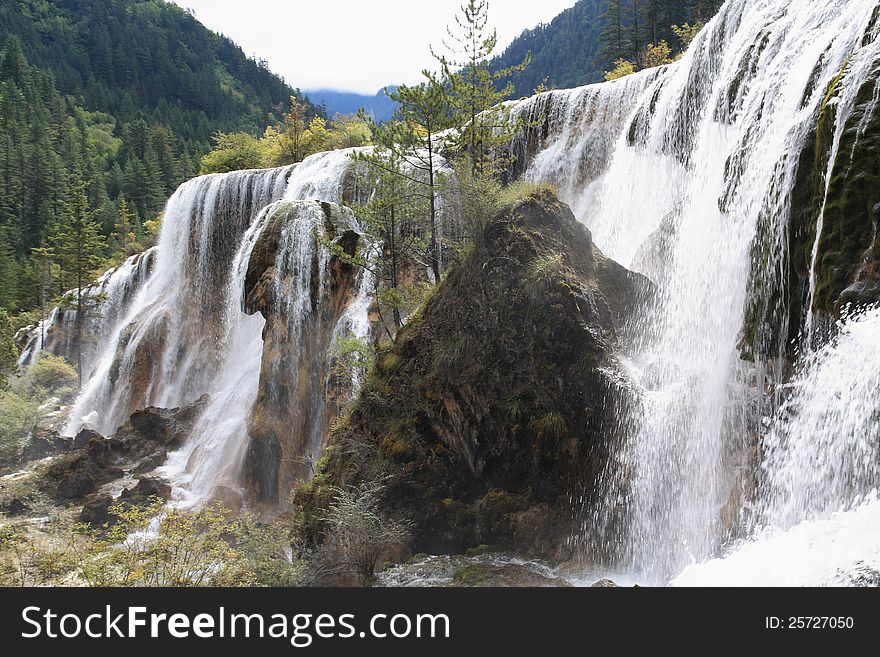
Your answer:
<point x="146" y="437"/>
<point x="492" y="409"/>
<point x="298" y="396"/>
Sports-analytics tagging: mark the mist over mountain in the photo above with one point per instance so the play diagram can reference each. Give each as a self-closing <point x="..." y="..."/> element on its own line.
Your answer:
<point x="345" y="102"/>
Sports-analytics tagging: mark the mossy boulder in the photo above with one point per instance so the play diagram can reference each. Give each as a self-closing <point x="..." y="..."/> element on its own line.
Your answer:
<point x="494" y="405"/>
<point x="847" y="264"/>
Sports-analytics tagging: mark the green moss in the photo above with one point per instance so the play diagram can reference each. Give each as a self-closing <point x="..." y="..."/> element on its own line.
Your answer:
<point x="851" y="206"/>
<point x="397" y="447"/>
<point x="473" y="574"/>
<point x="389" y="362"/>
<point x="480" y="550"/>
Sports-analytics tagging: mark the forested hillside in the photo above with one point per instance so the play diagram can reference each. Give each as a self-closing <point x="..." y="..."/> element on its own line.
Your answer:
<point x="583" y="42"/>
<point x="120" y="98"/>
<point x="146" y="59"/>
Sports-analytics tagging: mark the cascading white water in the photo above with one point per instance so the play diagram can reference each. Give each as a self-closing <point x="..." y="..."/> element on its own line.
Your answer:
<point x="214" y="451"/>
<point x="107" y="300"/>
<point x="302" y="352"/>
<point x="185" y="333"/>
<point x="689" y="163"/>
<point x="823" y="453"/>
<point x="819" y="509"/>
<point x="321" y="176"/>
<point x="168" y="348"/>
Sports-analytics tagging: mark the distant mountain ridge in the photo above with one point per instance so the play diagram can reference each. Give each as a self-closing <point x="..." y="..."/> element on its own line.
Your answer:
<point x="334" y="102"/>
<point x="563" y="51"/>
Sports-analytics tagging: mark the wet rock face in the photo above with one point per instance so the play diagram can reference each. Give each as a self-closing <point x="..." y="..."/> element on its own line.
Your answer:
<point x="145" y="438"/>
<point x="848" y="260"/>
<point x="491" y="409"/>
<point x="302" y="292"/>
<point x="96" y="509"/>
<point x="848" y="264"/>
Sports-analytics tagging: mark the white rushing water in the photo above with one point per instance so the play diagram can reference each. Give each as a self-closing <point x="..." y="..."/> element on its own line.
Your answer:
<point x="185" y="334"/>
<point x="168" y="349"/>
<point x="108" y="299"/>
<point x="677" y="172"/>
<point x="819" y="516"/>
<point x="213" y="454"/>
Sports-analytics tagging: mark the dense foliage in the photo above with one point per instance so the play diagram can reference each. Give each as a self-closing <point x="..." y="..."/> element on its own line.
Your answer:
<point x="583" y="42"/>
<point x="294" y="141"/>
<point x="146" y="59"/>
<point x="121" y="97"/>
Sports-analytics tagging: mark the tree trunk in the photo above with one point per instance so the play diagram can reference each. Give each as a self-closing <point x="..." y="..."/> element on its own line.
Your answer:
<point x="435" y="255"/>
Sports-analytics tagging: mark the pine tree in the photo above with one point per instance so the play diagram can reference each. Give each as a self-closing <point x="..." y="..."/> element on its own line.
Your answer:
<point x="612" y="41"/>
<point x="292" y="146"/>
<point x="76" y="245"/>
<point x="390" y="217"/>
<point x="474" y="95"/>
<point x="635" y="29"/>
<point x="124" y="226"/>
<point x="413" y="139"/>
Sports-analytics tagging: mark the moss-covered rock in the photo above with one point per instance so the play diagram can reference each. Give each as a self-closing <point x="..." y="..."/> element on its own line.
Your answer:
<point x="847" y="265"/>
<point x="492" y="407"/>
<point x="848" y="262"/>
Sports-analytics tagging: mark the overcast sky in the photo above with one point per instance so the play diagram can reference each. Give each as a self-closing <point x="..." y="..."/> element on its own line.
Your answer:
<point x="355" y="45"/>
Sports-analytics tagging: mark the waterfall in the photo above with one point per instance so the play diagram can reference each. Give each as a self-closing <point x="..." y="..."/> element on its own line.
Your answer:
<point x="213" y="453"/>
<point x="184" y="333"/>
<point x="822" y="454"/>
<point x="819" y="500"/>
<point x="685" y="173"/>
<point x="107" y="300"/>
<point x="169" y="347"/>
<point x="322" y="176"/>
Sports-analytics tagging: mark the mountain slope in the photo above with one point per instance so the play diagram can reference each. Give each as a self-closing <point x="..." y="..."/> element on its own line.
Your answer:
<point x="146" y="59"/>
<point x="574" y="48"/>
<point x="120" y="98"/>
<point x="563" y="51"/>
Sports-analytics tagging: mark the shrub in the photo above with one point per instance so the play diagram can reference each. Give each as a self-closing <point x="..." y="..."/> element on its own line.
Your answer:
<point x="186" y="549"/>
<point x="269" y="559"/>
<point x="656" y="55"/>
<point x="358" y="532"/>
<point x="687" y="33"/>
<point x="19" y="415"/>
<point x="622" y="68"/>
<point x="352" y="359"/>
<point x="522" y="189"/>
<point x="51" y="374"/>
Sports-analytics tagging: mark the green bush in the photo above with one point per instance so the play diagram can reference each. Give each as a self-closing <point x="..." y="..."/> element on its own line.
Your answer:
<point x="8" y="352"/>
<point x="52" y="374"/>
<point x="18" y="417"/>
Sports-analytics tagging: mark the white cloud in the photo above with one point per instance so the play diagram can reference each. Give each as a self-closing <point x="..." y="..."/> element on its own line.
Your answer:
<point x="355" y="45"/>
